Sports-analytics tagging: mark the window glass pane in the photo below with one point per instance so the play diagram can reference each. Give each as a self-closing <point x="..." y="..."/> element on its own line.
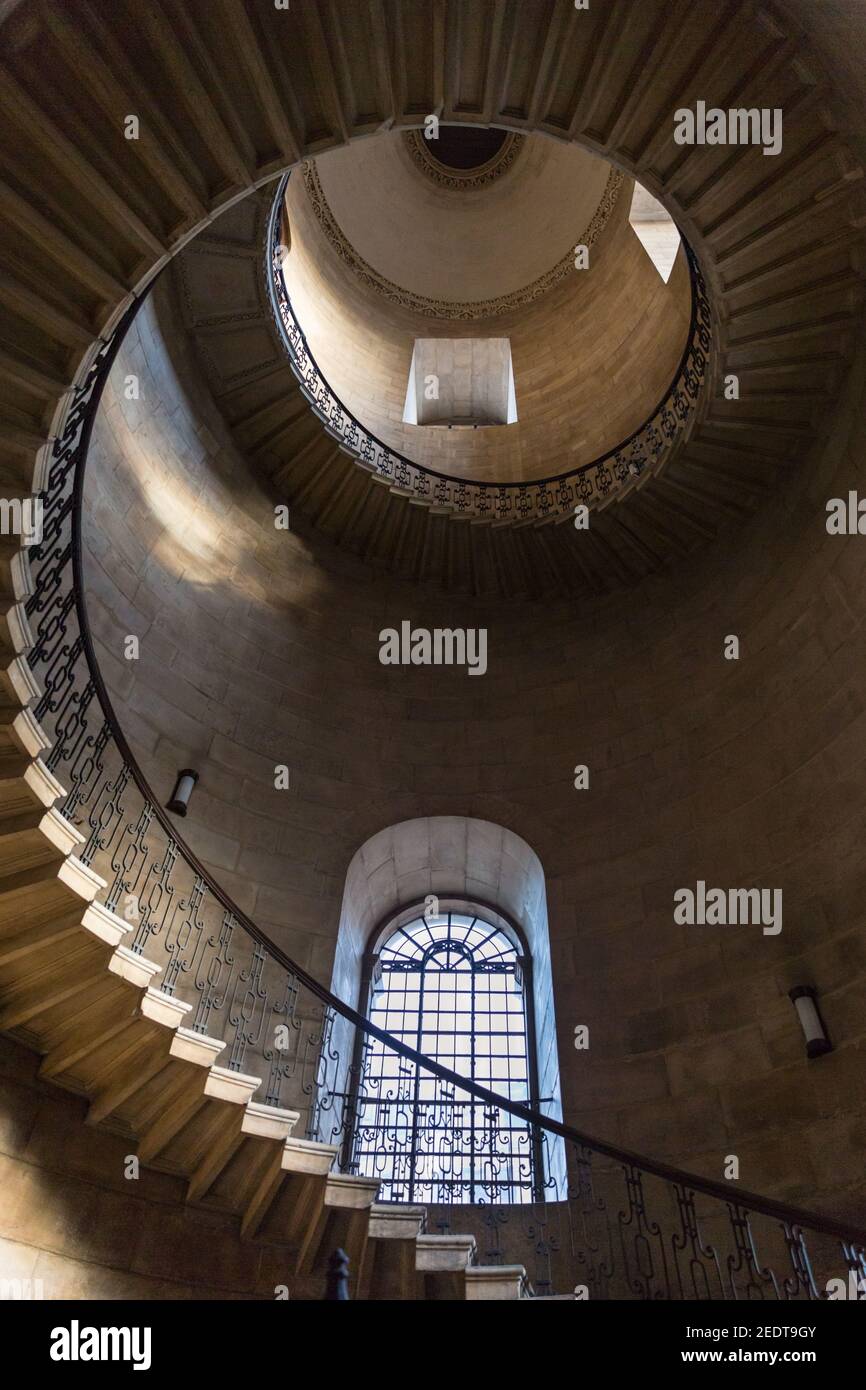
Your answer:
<point x="448" y="987"/>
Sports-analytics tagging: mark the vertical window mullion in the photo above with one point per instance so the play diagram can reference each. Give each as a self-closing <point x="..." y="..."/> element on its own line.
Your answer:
<point x="472" y="1070"/>
<point x="413" y="1152"/>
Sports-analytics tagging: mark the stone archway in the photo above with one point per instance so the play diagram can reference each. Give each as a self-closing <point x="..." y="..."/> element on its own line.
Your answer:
<point x="471" y="861"/>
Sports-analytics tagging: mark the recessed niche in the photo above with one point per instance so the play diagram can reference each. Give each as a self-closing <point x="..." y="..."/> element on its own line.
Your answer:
<point x="461" y="383"/>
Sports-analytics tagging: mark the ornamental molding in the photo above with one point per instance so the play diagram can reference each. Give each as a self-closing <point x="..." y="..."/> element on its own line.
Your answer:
<point x="444" y="308"/>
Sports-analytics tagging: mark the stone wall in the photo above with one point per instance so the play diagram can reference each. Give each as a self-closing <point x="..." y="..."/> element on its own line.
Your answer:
<point x="72" y="1223"/>
<point x="260" y="647"/>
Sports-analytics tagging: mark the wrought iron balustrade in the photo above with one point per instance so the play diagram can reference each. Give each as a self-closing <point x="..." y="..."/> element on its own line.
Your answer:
<point x="486" y="1156"/>
<point x="610" y="1220"/>
<point x="544" y="499"/>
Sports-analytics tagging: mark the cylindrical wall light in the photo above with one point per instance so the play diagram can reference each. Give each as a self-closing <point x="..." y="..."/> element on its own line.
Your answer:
<point x="803" y="999"/>
<point x="186" y="780"/>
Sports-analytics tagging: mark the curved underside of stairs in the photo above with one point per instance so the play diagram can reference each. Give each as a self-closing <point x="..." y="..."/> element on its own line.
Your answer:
<point x="244" y="92"/>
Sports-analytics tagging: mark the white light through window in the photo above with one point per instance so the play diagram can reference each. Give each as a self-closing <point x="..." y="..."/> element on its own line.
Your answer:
<point x="453" y="989"/>
<point x="655" y="229"/>
<point x="461" y="382"/>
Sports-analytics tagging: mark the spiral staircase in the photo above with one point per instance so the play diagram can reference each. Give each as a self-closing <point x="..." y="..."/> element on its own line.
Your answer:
<point x="229" y="94"/>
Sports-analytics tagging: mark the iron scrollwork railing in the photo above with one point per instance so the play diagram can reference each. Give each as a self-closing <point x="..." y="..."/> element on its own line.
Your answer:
<point x="592" y="484"/>
<point x="588" y="1216"/>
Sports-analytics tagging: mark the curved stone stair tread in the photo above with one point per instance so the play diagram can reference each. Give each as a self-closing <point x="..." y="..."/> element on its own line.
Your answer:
<point x="486" y="1283"/>
<point x="444" y="1261"/>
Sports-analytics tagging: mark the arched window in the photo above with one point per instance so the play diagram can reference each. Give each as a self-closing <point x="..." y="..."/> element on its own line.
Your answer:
<point x="453" y="986"/>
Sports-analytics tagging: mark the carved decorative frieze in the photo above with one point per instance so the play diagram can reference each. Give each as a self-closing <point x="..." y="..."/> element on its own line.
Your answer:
<point x="444" y="308"/>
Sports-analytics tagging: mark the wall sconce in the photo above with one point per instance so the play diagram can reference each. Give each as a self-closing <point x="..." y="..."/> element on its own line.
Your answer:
<point x="186" y="780"/>
<point x="803" y="999"/>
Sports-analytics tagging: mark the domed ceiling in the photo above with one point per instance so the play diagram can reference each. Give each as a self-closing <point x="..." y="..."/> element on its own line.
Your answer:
<point x="592" y="355"/>
<point x="462" y="239"/>
<point x="383" y="251"/>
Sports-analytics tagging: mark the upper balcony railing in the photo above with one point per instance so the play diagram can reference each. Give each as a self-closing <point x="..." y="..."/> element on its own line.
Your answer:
<point x="593" y="484"/>
<point x="609" y="1220"/>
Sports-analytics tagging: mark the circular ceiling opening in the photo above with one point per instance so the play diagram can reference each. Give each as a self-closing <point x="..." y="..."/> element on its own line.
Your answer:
<point x="463" y="159"/>
<point x="466" y="147"/>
